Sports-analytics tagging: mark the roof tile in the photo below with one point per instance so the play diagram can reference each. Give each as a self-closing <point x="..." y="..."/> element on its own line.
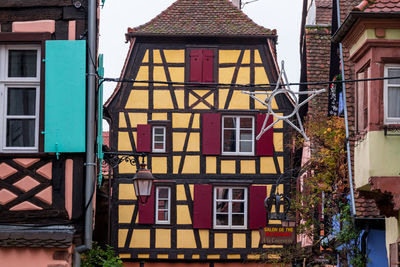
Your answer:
<point x="201" y="18"/>
<point x="366" y="207"/>
<point x="377" y="6"/>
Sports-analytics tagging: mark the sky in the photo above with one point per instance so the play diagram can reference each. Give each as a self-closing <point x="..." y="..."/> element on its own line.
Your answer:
<point x="117" y="15"/>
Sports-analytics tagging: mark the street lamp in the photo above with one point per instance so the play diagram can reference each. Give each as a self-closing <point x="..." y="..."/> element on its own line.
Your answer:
<point x="143" y="179"/>
<point x="143" y="183"/>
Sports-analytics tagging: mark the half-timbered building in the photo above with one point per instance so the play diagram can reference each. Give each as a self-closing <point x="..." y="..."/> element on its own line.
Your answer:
<point x="180" y="101"/>
<point x="42" y="130"/>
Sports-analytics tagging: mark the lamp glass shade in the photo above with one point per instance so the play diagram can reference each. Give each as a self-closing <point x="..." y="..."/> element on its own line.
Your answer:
<point x="143" y="183"/>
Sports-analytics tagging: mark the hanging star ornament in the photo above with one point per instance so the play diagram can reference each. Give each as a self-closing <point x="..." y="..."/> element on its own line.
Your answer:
<point x="270" y="95"/>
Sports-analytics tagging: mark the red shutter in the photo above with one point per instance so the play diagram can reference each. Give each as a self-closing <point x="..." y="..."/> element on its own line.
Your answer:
<point x="202" y="206"/>
<point x="211" y="133"/>
<point x="265" y="146"/>
<point x="208" y="66"/>
<point x="196" y="59"/>
<point x="146" y="211"/>
<point x="257" y="211"/>
<point x="143" y="138"/>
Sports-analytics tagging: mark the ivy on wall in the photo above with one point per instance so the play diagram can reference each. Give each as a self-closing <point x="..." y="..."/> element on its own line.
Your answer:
<point x="321" y="205"/>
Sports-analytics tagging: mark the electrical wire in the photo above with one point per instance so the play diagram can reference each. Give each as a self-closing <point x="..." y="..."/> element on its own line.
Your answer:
<point x="248" y="2"/>
<point x="243" y="85"/>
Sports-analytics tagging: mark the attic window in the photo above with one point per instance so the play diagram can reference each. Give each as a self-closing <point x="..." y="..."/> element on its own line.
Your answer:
<point x="202" y="65"/>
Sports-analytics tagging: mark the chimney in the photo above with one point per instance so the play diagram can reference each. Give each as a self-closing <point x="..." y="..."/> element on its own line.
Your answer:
<point x="237" y="3"/>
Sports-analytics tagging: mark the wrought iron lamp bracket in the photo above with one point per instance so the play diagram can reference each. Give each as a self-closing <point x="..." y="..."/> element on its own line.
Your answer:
<point x="277" y="200"/>
<point x="114" y="158"/>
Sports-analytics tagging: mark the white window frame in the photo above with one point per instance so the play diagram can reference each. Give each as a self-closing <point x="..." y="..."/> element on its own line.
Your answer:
<point x="386" y="85"/>
<point x="154" y="141"/>
<point x="18" y="82"/>
<point x="230" y="201"/>
<point x="237" y="128"/>
<point x="169" y="205"/>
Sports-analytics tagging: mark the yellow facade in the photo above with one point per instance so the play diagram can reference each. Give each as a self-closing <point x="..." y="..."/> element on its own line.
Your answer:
<point x="239" y="241"/>
<point x="183" y="164"/>
<point x="185" y="239"/>
<point x="228" y="166"/>
<point x="163" y="238"/>
<point x="204" y="238"/>
<point x="125" y="192"/>
<point x="140" y="238"/>
<point x="159" y="165"/>
<point x="122" y="234"/>
<point x="125" y="213"/>
<point x="184" y="215"/>
<point x="220" y="240"/>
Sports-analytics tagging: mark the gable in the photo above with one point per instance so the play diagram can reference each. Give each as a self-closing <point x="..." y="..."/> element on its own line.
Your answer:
<point x="169" y="66"/>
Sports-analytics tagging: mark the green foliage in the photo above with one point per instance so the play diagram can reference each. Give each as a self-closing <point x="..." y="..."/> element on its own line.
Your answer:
<point x="325" y="173"/>
<point x="325" y="184"/>
<point x="349" y="237"/>
<point x="97" y="256"/>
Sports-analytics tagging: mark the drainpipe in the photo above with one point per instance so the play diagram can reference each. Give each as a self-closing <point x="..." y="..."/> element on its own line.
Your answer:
<point x="90" y="134"/>
<point x="353" y="204"/>
<point x="364" y="244"/>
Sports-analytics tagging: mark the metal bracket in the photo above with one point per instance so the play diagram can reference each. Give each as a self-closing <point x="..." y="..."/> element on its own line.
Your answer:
<point x="391" y="131"/>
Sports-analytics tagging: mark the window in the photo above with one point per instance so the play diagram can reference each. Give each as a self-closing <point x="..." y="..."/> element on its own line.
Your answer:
<point x="159" y="137"/>
<point x="202" y="65"/>
<point x="392" y="95"/>
<point x="19" y="97"/>
<point x="230" y="207"/>
<point x="237" y="135"/>
<point x="362" y="100"/>
<point x="163" y="205"/>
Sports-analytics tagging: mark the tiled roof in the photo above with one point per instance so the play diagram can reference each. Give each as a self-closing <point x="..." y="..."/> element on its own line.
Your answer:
<point x="366" y="207"/>
<point x="35" y="237"/>
<point x="377" y="6"/>
<point x="201" y="18"/>
<point x="324" y="3"/>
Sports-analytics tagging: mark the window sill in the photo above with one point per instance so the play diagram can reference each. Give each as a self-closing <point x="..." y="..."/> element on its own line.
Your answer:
<point x="18" y="151"/>
<point x="238" y="156"/>
<point x="163" y="223"/>
<point x="229" y="228"/>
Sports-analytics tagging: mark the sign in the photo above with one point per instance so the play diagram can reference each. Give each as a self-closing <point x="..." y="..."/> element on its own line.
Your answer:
<point x="278" y="235"/>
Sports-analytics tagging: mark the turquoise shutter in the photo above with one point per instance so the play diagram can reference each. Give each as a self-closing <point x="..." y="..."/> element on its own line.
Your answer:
<point x="65" y="96"/>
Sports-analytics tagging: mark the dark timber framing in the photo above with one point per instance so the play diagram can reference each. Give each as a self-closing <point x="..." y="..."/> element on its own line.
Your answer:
<point x="117" y="105"/>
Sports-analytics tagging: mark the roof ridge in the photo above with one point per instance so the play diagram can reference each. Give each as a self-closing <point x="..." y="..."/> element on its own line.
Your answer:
<point x="378" y="6"/>
<point x="363" y="5"/>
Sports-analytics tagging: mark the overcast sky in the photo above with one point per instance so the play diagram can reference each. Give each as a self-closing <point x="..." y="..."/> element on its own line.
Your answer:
<point x="118" y="15"/>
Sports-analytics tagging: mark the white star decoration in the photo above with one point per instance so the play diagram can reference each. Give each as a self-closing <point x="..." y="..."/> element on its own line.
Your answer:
<point x="268" y="103"/>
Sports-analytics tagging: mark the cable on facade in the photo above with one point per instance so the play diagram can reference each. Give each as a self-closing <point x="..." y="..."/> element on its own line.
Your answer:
<point x="244" y="85"/>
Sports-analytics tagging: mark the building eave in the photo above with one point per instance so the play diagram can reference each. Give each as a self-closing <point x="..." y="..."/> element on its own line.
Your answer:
<point x="354" y="16"/>
<point x="131" y="35"/>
